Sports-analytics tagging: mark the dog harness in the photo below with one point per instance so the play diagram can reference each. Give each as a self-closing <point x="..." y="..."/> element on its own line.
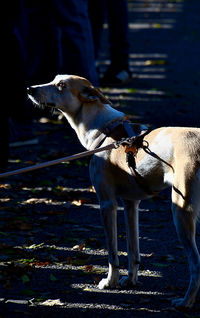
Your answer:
<point x="135" y="141"/>
<point x="130" y="130"/>
<point x="131" y="149"/>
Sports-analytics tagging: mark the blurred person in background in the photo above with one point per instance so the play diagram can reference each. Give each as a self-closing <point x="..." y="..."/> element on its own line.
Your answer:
<point x="115" y="12"/>
<point x="42" y="39"/>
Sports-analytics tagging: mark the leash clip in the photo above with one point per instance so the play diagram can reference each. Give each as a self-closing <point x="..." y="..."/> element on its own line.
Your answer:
<point x="125" y="142"/>
<point x="118" y="143"/>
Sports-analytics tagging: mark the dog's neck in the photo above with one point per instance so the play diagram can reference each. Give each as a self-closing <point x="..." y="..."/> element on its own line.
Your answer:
<point x="90" y="122"/>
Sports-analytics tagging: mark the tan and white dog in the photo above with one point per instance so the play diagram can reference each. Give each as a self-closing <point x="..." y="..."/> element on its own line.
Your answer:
<point x="173" y="161"/>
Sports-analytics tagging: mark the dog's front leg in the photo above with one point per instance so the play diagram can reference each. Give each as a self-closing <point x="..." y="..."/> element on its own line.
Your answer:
<point x="131" y="218"/>
<point x="108" y="212"/>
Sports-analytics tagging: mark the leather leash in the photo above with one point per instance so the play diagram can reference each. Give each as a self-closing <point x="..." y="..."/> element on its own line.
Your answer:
<point x="131" y="144"/>
<point x="113" y="145"/>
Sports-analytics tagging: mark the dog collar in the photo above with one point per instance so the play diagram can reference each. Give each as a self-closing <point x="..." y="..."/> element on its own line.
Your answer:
<point x="131" y="130"/>
<point x="106" y="132"/>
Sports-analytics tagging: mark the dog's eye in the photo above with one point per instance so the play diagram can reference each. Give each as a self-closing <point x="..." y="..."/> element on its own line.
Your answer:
<point x="61" y="85"/>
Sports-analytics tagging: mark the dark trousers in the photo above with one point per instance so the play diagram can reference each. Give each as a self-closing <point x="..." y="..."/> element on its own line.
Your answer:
<point x="115" y="12"/>
<point x="57" y="38"/>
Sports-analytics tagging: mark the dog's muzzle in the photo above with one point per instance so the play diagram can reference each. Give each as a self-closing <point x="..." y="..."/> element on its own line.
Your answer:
<point x="31" y="91"/>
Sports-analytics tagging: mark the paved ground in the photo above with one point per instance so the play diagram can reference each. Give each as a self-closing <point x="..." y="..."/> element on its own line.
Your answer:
<point x="164" y="58"/>
<point x="51" y="239"/>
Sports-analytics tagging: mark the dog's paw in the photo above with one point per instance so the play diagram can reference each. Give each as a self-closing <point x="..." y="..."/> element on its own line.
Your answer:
<point x="105" y="283"/>
<point x="181" y="303"/>
<point x="126" y="282"/>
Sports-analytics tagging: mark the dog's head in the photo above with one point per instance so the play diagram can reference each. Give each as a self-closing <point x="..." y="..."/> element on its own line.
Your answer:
<point x="67" y="93"/>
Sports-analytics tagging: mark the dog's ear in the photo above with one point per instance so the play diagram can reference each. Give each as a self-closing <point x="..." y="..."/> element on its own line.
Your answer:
<point x="91" y="94"/>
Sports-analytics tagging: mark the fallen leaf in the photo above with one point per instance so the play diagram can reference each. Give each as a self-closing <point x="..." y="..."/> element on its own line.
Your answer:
<point x="25" y="261"/>
<point x="155" y="62"/>
<point x="40" y="264"/>
<point x="77" y="202"/>
<point x="35" y="246"/>
<point x="132" y="90"/>
<point x="157" y="25"/>
<point x="92" y="189"/>
<point x="52" y="302"/>
<point x="79" y="247"/>
<point x="81" y="201"/>
<point x="87" y="289"/>
<point x="5" y="186"/>
<point x="89" y="268"/>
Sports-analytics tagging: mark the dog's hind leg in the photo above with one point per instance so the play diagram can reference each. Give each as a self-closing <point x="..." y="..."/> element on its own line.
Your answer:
<point x="185" y="213"/>
<point x="132" y="230"/>
<point x="109" y="215"/>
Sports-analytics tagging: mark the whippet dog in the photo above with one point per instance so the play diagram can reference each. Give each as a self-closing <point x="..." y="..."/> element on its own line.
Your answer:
<point x="173" y="160"/>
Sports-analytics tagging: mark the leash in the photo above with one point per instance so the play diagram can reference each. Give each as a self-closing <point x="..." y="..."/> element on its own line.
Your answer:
<point x="131" y="145"/>
<point x="113" y="145"/>
<point x="134" y="141"/>
<point x="133" y="138"/>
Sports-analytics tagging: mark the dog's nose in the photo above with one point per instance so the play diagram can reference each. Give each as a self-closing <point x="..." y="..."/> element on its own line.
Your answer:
<point x="30" y="90"/>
